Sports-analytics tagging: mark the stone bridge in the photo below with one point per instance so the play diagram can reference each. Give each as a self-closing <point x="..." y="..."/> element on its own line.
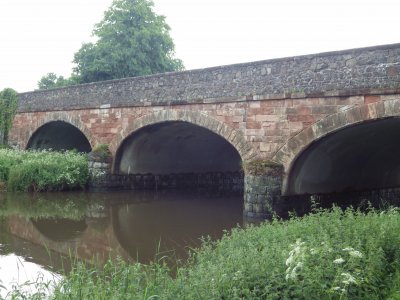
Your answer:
<point x="320" y="123"/>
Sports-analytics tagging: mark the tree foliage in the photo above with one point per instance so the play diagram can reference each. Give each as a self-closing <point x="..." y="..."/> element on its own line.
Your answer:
<point x="51" y="80"/>
<point x="8" y="109"/>
<point x="131" y="40"/>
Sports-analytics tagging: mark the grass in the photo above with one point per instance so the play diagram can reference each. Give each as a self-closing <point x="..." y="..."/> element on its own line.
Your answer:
<point x="325" y="255"/>
<point x="42" y="170"/>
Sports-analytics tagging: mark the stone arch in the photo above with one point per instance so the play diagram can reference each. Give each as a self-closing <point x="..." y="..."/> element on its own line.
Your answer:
<point x="234" y="137"/>
<point x="288" y="154"/>
<point x="64" y="117"/>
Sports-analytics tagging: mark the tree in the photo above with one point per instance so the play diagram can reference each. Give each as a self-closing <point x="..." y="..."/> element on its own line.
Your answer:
<point x="8" y="109"/>
<point x="51" y="80"/>
<point x="132" y="41"/>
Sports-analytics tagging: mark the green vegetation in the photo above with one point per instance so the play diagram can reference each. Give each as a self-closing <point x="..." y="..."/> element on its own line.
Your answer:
<point x="325" y="255"/>
<point x="52" y="80"/>
<point x="131" y="40"/>
<point x="100" y="152"/>
<point x="42" y="171"/>
<point x="261" y="167"/>
<point x="8" y="109"/>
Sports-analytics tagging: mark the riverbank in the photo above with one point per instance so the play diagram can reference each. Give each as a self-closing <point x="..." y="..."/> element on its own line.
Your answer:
<point x="324" y="255"/>
<point x="38" y="171"/>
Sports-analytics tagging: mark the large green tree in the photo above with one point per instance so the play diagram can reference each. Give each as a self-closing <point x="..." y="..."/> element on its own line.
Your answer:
<point x="8" y="108"/>
<point x="131" y="40"/>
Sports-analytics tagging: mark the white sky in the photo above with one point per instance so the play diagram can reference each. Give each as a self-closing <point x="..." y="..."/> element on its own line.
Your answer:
<point x="41" y="36"/>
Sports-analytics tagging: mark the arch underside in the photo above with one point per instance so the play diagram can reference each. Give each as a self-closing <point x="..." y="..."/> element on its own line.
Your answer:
<point x="175" y="147"/>
<point x="360" y="157"/>
<point x="59" y="135"/>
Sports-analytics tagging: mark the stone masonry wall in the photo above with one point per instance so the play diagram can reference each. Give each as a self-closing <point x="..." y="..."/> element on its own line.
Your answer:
<point x="343" y="73"/>
<point x="224" y="182"/>
<point x="267" y="125"/>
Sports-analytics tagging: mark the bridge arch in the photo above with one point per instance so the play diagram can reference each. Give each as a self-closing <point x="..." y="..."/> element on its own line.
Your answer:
<point x="187" y="118"/>
<point x="64" y="128"/>
<point x="361" y="130"/>
<point x="193" y="133"/>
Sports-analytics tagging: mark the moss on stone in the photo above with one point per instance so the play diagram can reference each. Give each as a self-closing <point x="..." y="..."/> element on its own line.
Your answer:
<point x="100" y="153"/>
<point x="260" y="167"/>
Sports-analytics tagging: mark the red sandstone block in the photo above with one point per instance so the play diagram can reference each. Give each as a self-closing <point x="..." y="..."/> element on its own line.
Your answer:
<point x="371" y="99"/>
<point x="253" y="125"/>
<point x="324" y="109"/>
<point x="272" y="103"/>
<point x="288" y="103"/>
<point x="353" y="100"/>
<point x="254" y="104"/>
<point x="328" y="101"/>
<point x="235" y="125"/>
<point x="303" y="110"/>
<point x="265" y="147"/>
<point x="290" y="111"/>
<point x="307" y="124"/>
<point x="301" y="118"/>
<point x="261" y="118"/>
<point x="295" y="127"/>
<point x="233" y="119"/>
<point x="254" y="132"/>
<point x="250" y="118"/>
<point x="273" y="132"/>
<point x="307" y="102"/>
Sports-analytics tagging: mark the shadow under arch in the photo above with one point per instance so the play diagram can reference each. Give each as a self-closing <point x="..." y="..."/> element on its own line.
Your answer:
<point x="175" y="147"/>
<point x="288" y="154"/>
<point x="358" y="157"/>
<point x="59" y="135"/>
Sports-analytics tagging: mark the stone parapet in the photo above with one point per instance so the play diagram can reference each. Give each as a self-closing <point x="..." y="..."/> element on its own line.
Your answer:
<point x="342" y="73"/>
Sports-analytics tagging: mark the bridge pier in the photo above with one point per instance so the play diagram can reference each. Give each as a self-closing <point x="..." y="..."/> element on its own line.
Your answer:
<point x="262" y="188"/>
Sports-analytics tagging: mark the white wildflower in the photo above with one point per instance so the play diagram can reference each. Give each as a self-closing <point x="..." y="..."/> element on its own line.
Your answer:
<point x="338" y="289"/>
<point x="348" y="279"/>
<point x="348" y="249"/>
<point x="290" y="260"/>
<point x="339" y="261"/>
<point x="294" y="272"/>
<point x="293" y="262"/>
<point x="355" y="253"/>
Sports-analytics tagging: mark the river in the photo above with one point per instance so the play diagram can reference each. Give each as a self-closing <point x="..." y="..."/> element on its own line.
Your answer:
<point x="42" y="233"/>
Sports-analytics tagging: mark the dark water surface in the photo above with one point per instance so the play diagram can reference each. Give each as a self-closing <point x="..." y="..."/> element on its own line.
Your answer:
<point x="43" y="232"/>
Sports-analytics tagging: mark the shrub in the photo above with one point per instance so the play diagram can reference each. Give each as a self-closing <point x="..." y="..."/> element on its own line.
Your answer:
<point x="8" y="159"/>
<point x="43" y="171"/>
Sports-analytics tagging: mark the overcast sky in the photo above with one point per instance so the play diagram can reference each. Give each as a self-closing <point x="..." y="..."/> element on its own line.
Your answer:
<point x="41" y="36"/>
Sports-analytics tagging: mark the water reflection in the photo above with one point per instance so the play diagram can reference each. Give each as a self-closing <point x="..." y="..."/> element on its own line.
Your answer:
<point x="59" y="230"/>
<point x="98" y="226"/>
<point x="173" y="221"/>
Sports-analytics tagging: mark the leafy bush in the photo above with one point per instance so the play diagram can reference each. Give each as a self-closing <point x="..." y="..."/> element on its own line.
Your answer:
<point x="8" y="159"/>
<point x="326" y="255"/>
<point x="43" y="171"/>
